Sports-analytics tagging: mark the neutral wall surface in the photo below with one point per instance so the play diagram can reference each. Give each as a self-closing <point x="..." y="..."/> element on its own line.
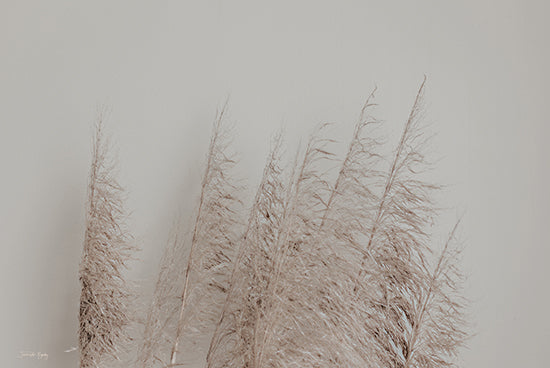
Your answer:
<point x="163" y="67"/>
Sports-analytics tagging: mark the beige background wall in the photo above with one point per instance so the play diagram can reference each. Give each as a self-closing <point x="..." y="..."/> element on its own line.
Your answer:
<point x="164" y="67"/>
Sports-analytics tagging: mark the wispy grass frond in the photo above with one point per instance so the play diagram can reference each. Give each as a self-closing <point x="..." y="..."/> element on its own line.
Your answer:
<point x="438" y="323"/>
<point x="161" y="319"/>
<point x="105" y="294"/>
<point x="355" y="188"/>
<point x="214" y="238"/>
<point x="399" y="243"/>
<point x="304" y="206"/>
<point x="231" y="344"/>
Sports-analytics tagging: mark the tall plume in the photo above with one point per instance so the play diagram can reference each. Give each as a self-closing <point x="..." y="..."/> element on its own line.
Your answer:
<point x="161" y="320"/>
<point x="324" y="326"/>
<point x="398" y="245"/>
<point x="273" y="342"/>
<point x="105" y="295"/>
<point x="334" y="306"/>
<point x="438" y="323"/>
<point x="214" y="237"/>
<point x="231" y="344"/>
<point x="354" y="189"/>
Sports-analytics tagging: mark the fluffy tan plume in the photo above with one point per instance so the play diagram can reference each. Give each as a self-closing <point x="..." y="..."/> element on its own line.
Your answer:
<point x="105" y="295"/>
<point x="214" y="237"/>
<point x="231" y="344"/>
